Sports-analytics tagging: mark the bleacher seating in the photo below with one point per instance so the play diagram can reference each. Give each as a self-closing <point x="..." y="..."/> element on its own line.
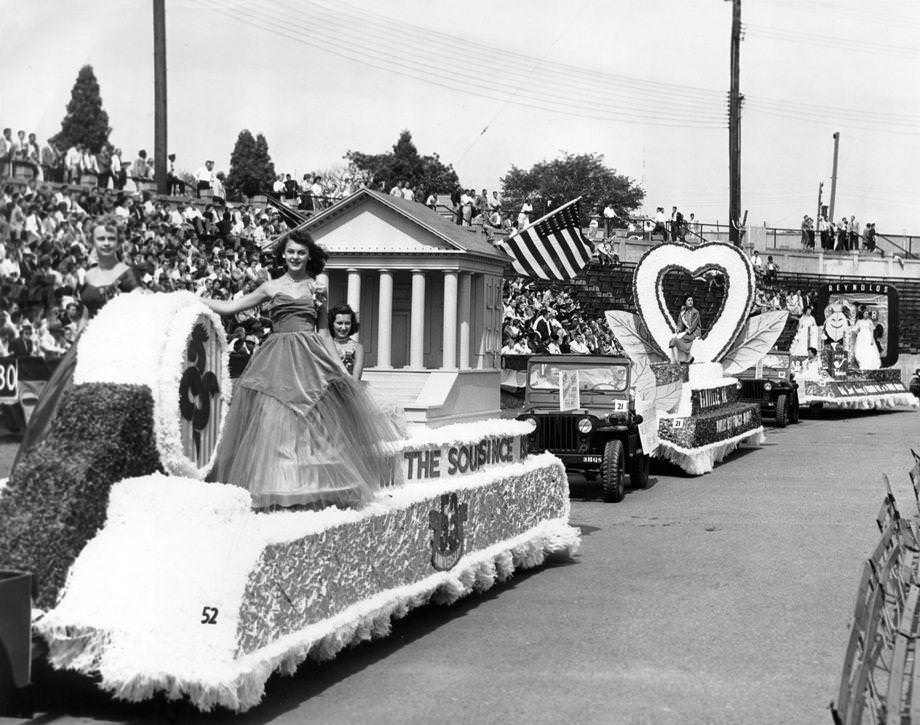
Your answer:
<point x="603" y="287"/>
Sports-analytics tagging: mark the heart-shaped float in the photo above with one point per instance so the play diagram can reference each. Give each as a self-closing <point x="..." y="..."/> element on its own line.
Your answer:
<point x="740" y="285"/>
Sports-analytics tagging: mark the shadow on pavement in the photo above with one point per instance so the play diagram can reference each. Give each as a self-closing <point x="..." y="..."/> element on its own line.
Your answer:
<point x="62" y="695"/>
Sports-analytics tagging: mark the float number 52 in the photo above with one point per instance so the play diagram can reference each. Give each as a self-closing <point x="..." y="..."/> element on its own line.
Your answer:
<point x="209" y="615"/>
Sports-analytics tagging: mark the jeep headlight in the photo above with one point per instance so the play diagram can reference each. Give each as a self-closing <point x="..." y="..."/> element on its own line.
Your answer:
<point x="768" y="386"/>
<point x="738" y="385"/>
<point x="530" y="421"/>
<point x="585" y="425"/>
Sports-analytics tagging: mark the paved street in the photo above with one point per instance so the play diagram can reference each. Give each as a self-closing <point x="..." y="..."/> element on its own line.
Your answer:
<point x="718" y="599"/>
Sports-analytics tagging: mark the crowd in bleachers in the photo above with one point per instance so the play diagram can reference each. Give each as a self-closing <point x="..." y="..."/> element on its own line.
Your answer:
<point x="45" y="251"/>
<point x="540" y="320"/>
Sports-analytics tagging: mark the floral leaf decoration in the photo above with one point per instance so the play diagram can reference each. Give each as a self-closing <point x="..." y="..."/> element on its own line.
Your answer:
<point x="634" y="337"/>
<point x="668" y="395"/>
<point x="757" y="338"/>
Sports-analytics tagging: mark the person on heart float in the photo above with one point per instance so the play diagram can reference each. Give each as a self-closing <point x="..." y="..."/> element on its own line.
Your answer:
<point x="688" y="331"/>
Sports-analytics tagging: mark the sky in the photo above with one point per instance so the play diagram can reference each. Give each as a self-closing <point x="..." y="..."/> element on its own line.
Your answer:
<point x="491" y="85"/>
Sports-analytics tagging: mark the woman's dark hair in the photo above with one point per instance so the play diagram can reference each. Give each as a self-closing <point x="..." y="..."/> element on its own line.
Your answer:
<point x="343" y="310"/>
<point x="318" y="255"/>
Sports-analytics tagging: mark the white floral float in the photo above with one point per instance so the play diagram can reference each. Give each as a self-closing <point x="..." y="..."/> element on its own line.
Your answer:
<point x="185" y="590"/>
<point x="700" y="419"/>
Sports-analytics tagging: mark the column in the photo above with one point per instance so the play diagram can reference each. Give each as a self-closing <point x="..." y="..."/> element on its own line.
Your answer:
<point x="417" y="321"/>
<point x="466" y="283"/>
<point x="384" y="319"/>
<point x="449" y="340"/>
<point x="353" y="297"/>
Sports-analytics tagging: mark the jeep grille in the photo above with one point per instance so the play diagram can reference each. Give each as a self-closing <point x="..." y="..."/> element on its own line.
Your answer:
<point x="751" y="389"/>
<point x="556" y="433"/>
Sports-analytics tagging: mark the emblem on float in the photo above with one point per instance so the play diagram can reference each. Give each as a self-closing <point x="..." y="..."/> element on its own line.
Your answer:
<point x="198" y="388"/>
<point x="447" y="532"/>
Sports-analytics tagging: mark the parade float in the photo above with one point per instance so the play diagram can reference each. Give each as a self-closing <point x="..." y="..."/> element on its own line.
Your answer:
<point x="855" y="336"/>
<point x="153" y="580"/>
<point x="700" y="419"/>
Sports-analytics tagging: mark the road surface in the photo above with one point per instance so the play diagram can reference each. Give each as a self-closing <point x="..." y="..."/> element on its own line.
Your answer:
<point x="724" y="598"/>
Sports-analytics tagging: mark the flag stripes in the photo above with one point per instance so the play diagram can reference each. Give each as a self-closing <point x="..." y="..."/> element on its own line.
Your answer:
<point x="551" y="248"/>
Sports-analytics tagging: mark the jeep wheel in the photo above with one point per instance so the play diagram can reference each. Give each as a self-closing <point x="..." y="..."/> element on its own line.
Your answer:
<point x="638" y="471"/>
<point x="794" y="409"/>
<point x="612" y="472"/>
<point x="782" y="414"/>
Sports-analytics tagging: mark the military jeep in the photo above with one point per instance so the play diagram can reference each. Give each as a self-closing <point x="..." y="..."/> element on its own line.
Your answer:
<point x="772" y="384"/>
<point x="584" y="414"/>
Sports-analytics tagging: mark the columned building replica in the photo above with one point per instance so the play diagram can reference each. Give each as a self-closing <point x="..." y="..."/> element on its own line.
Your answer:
<point x="429" y="297"/>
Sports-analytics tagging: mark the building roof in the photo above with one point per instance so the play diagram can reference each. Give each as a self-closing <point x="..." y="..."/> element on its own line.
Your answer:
<point x="465" y="239"/>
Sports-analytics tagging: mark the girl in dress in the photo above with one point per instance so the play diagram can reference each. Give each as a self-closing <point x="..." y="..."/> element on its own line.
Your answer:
<point x="343" y="323"/>
<point x="688" y="330"/>
<point x="864" y="348"/>
<point x="805" y="335"/>
<point x="108" y="277"/>
<point x="300" y="430"/>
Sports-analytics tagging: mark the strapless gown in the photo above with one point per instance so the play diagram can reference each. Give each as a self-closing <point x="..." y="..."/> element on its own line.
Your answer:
<point x="300" y="431"/>
<point x="93" y="298"/>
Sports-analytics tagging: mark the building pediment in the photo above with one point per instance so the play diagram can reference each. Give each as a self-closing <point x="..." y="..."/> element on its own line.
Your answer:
<point x="368" y="222"/>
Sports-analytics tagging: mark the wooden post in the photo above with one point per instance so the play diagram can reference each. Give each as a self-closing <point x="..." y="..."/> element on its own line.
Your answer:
<point x="734" y="128"/>
<point x="159" y="95"/>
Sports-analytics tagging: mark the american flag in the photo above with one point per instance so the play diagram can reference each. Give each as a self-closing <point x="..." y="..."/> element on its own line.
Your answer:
<point x="553" y="247"/>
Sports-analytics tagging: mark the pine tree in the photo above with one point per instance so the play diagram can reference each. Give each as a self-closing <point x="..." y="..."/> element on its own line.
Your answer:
<point x="251" y="169"/>
<point x="86" y="121"/>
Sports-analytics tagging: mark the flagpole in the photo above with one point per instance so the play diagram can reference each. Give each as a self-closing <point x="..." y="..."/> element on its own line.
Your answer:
<point x="547" y="216"/>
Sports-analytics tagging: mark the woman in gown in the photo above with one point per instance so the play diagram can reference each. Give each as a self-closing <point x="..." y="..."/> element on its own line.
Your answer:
<point x="805" y="335"/>
<point x="688" y="330"/>
<point x="108" y="277"/>
<point x="864" y="348"/>
<point x="300" y="430"/>
<point x="343" y="323"/>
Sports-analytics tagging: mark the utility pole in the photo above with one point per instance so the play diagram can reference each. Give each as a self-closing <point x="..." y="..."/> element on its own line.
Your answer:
<point x="818" y="215"/>
<point x="834" y="177"/>
<point x="734" y="128"/>
<point x="159" y="95"/>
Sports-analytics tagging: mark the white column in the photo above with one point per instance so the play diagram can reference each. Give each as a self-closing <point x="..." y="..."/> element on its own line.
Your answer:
<point x="464" y="304"/>
<point x="385" y="319"/>
<point x="449" y="339"/>
<point x="353" y="296"/>
<point x="354" y="289"/>
<point x="417" y="321"/>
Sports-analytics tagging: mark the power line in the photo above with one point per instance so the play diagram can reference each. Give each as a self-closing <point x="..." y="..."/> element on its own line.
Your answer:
<point x="475" y="68"/>
<point x="478" y="87"/>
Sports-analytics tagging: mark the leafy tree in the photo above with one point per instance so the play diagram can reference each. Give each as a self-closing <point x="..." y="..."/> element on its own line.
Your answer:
<point x="549" y="184"/>
<point x="251" y="169"/>
<point x="86" y="121"/>
<point x="404" y="163"/>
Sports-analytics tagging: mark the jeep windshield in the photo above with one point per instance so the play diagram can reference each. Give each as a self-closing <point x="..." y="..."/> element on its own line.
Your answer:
<point x="610" y="378"/>
<point x="775" y="361"/>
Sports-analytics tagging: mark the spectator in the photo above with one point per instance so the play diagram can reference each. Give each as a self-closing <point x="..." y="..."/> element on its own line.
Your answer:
<point x="432" y="201"/>
<point x="204" y="178"/>
<point x="677" y="225"/>
<point x="660" y="226"/>
<point x="139" y="167"/>
<point x="770" y="271"/>
<point x="870" y="237"/>
<point x="854" y="234"/>
<point x="808" y="232"/>
<point x="609" y="215"/>
<point x="525" y="214"/>
<point x="318" y="193"/>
